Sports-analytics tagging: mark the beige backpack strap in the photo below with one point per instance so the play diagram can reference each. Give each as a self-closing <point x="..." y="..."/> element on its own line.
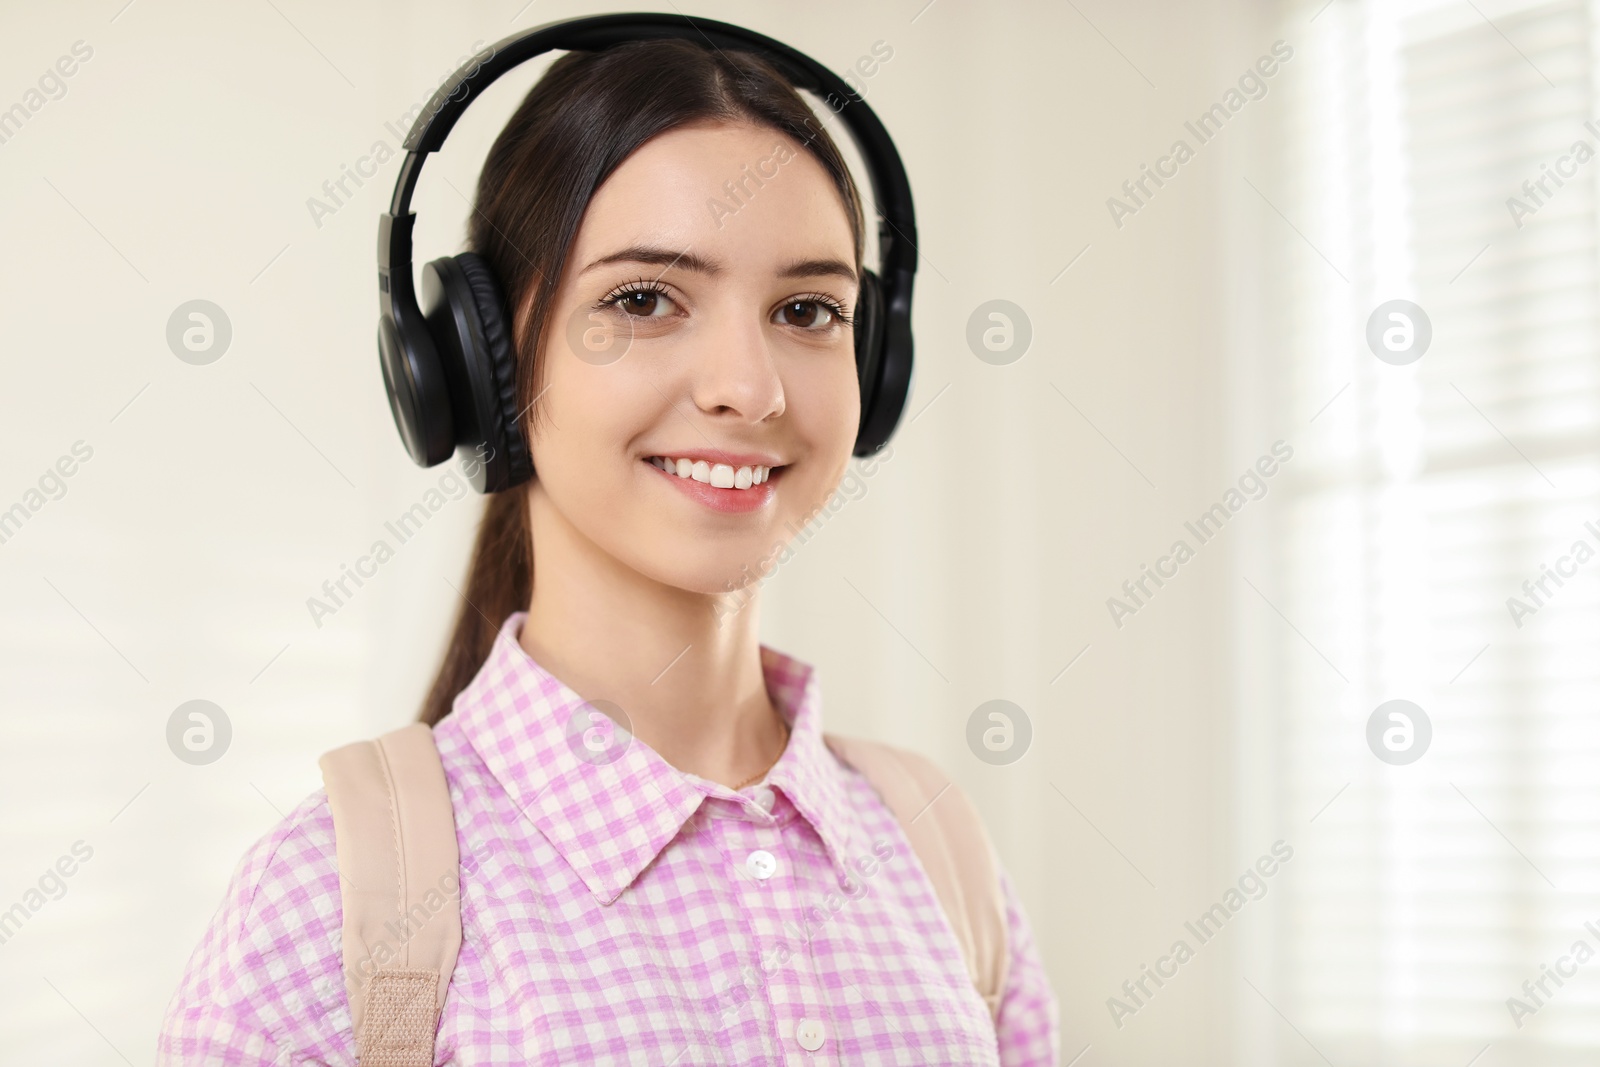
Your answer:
<point x="948" y="835"/>
<point x="399" y="881"/>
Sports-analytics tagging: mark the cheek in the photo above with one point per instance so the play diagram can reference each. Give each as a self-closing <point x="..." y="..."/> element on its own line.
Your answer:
<point x="825" y="404"/>
<point x="587" y="416"/>
<point x="825" y="409"/>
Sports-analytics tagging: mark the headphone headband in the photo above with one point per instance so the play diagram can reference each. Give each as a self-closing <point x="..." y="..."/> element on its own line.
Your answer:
<point x="430" y="397"/>
<point x="891" y="189"/>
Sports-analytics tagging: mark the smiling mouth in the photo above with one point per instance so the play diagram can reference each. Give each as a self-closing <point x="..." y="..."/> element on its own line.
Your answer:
<point x="717" y="475"/>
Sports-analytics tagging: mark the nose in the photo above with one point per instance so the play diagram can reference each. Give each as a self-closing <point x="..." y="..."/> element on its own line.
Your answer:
<point x="735" y="375"/>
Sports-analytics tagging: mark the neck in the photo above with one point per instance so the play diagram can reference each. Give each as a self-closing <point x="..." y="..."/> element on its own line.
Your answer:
<point x="691" y="685"/>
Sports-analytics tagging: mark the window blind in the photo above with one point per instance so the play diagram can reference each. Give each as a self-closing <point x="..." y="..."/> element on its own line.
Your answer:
<point x="1429" y="493"/>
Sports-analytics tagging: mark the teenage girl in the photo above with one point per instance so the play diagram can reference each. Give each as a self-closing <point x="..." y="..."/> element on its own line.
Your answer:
<point x="722" y="889"/>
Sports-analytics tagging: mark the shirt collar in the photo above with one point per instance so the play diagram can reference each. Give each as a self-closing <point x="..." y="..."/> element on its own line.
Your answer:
<point x="611" y="808"/>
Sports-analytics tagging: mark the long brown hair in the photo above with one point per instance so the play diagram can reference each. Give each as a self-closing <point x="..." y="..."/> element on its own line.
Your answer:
<point x="589" y="112"/>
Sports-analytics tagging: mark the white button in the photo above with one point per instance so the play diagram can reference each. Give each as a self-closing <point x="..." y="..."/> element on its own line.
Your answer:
<point x="761" y="863"/>
<point x="809" y="1033"/>
<point x="765" y="798"/>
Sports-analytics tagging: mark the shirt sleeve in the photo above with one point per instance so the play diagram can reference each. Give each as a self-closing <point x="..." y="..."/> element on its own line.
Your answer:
<point x="265" y="985"/>
<point x="1029" y="1023"/>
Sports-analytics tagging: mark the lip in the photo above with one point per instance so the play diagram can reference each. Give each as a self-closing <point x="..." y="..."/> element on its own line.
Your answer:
<point x="728" y="501"/>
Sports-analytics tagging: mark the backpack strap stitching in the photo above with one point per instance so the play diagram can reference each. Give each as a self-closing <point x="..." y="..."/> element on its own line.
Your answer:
<point x="392" y="802"/>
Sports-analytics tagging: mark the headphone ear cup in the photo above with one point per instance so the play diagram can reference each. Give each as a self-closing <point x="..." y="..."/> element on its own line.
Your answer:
<point x="466" y="315"/>
<point x="419" y="395"/>
<point x="887" y="368"/>
<point x="868" y="320"/>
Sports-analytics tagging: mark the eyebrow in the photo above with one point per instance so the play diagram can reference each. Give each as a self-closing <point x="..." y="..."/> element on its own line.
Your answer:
<point x="811" y="268"/>
<point x="666" y="258"/>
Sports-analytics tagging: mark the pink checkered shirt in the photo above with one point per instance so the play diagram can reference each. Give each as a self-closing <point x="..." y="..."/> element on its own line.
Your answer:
<point x="626" y="912"/>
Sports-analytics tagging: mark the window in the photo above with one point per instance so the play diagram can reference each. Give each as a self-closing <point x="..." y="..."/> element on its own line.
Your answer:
<point x="1424" y="496"/>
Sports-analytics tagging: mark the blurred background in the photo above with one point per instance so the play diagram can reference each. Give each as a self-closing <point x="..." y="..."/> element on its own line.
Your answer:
<point x="1340" y="344"/>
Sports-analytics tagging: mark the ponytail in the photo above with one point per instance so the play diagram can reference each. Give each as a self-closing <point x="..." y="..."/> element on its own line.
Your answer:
<point x="499" y="582"/>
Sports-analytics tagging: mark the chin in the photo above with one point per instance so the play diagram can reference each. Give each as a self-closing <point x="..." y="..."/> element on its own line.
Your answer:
<point x="720" y="574"/>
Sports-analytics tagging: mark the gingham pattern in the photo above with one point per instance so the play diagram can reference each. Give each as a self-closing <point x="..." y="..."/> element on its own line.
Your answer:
<point x="611" y="913"/>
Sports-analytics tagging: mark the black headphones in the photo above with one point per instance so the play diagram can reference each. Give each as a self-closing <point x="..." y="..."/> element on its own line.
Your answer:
<point x="448" y="365"/>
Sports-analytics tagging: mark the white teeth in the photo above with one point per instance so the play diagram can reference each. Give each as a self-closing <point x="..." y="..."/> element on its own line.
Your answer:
<point x="721" y="475"/>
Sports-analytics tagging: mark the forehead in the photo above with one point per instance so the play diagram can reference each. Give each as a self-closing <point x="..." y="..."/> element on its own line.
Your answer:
<point x="749" y="196"/>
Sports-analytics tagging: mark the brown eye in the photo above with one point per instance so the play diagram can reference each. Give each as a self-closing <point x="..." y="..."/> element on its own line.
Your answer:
<point x="639" y="302"/>
<point x="806" y="314"/>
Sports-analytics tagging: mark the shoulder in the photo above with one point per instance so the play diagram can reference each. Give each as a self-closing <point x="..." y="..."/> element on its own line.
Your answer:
<point x="290" y="869"/>
<point x="267" y="975"/>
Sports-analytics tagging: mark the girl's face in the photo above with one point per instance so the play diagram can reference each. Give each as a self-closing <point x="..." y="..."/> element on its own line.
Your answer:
<point x="700" y="325"/>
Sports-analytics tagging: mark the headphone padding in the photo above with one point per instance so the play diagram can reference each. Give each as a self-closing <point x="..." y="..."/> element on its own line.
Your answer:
<point x="492" y="317"/>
